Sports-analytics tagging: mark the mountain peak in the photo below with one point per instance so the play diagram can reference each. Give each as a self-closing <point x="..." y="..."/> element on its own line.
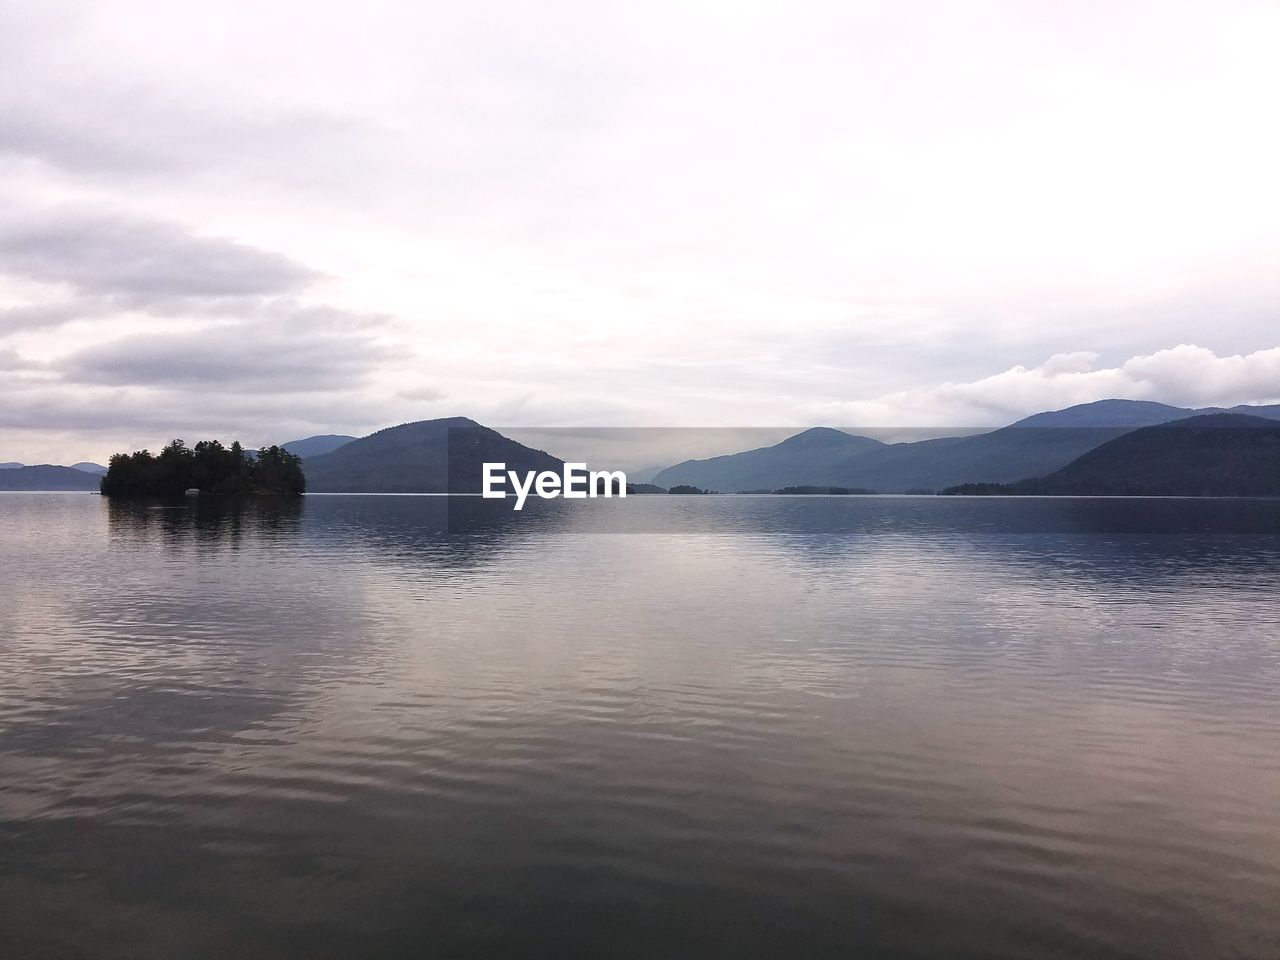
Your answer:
<point x="317" y="445"/>
<point x="816" y="437"/>
<point x="424" y="456"/>
<point x="1107" y="413"/>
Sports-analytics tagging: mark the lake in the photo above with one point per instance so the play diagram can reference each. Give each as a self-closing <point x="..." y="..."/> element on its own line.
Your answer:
<point x="661" y="727"/>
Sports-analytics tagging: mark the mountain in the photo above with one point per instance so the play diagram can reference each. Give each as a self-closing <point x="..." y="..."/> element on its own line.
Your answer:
<point x="14" y="465"/>
<point x="796" y="460"/>
<point x="1032" y="447"/>
<point x="429" y="456"/>
<point x="315" y="446"/>
<point x="47" y="477"/>
<point x="1109" y="413"/>
<point x="89" y="467"/>
<point x="1271" y="412"/>
<point x="1213" y="455"/>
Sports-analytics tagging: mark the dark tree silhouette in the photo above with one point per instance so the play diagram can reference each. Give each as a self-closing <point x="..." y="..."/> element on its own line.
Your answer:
<point x="208" y="467"/>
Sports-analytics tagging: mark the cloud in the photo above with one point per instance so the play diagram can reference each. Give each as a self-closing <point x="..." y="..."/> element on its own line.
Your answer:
<point x="655" y="214"/>
<point x="36" y="316"/>
<point x="112" y="254"/>
<point x="12" y="361"/>
<point x="49" y="422"/>
<point x="422" y="394"/>
<point x="260" y="358"/>
<point x="1185" y="375"/>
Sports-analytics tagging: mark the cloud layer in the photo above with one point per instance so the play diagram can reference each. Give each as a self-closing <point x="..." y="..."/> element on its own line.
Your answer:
<point x="100" y="253"/>
<point x="574" y="213"/>
<point x="1184" y="376"/>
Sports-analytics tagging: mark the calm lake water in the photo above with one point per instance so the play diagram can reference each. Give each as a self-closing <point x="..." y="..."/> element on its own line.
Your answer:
<point x="664" y="727"/>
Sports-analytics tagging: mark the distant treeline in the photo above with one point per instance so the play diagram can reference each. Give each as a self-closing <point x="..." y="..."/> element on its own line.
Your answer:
<point x="980" y="490"/>
<point x="208" y="467"/>
<point x="805" y="490"/>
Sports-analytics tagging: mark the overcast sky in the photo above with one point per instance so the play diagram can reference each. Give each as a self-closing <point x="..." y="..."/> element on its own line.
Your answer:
<point x="267" y="220"/>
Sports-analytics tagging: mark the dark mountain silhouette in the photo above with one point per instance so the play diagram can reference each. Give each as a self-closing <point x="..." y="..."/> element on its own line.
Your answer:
<point x="1213" y="455"/>
<point x="429" y="456"/>
<point x="1269" y="411"/>
<point x="315" y="446"/>
<point x="1035" y="446"/>
<point x="12" y="465"/>
<point x="1108" y="413"/>
<point x="47" y="477"/>
<point x="89" y="467"/>
<point x="795" y="460"/>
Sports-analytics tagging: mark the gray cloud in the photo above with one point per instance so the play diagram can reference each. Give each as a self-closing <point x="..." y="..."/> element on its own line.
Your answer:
<point x="261" y="358"/>
<point x="11" y="361"/>
<point x="110" y="254"/>
<point x="36" y="316"/>
<point x="103" y="420"/>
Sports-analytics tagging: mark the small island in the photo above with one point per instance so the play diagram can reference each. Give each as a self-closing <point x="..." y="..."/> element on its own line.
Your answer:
<point x="207" y="468"/>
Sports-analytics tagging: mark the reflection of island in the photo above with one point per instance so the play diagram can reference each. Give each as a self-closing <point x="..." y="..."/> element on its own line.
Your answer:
<point x="208" y="468"/>
<point x="208" y="521"/>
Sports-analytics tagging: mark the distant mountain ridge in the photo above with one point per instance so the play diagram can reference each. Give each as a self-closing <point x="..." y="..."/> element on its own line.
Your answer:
<point x="47" y="476"/>
<point x="1211" y="455"/>
<point x="437" y="456"/>
<point x="795" y="460"/>
<point x="84" y="466"/>
<point x="428" y="456"/>
<point x="1034" y="446"/>
<point x="316" y="446"/>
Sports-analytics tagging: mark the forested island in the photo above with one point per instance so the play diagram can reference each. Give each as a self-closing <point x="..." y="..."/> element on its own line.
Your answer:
<point x="208" y="467"/>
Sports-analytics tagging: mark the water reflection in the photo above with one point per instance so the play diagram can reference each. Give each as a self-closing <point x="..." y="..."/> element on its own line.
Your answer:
<point x="207" y="520"/>
<point x="906" y="728"/>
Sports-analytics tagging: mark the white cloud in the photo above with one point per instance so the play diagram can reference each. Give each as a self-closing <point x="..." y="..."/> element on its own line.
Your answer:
<point x="1185" y="376"/>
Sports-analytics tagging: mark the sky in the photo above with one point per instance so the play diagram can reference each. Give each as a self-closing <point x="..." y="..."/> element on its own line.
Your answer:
<point x="275" y="219"/>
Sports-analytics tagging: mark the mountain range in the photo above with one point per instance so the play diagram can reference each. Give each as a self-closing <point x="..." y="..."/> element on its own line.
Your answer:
<point x="47" y="476"/>
<point x="429" y="456"/>
<point x="1074" y="449"/>
<point x="1213" y="455"/>
<point x="84" y="466"/>
<point x="315" y="446"/>
<point x="814" y="453"/>
<point x="1032" y="447"/>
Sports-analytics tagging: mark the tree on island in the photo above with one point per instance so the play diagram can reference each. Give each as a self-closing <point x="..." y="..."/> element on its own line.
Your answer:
<point x="208" y="467"/>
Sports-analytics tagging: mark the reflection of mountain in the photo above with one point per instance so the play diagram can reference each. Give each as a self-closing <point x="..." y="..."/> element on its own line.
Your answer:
<point x="1035" y="446"/>
<point x="430" y="456"/>
<point x="47" y="477"/>
<point x="428" y="536"/>
<point x="1113" y="545"/>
